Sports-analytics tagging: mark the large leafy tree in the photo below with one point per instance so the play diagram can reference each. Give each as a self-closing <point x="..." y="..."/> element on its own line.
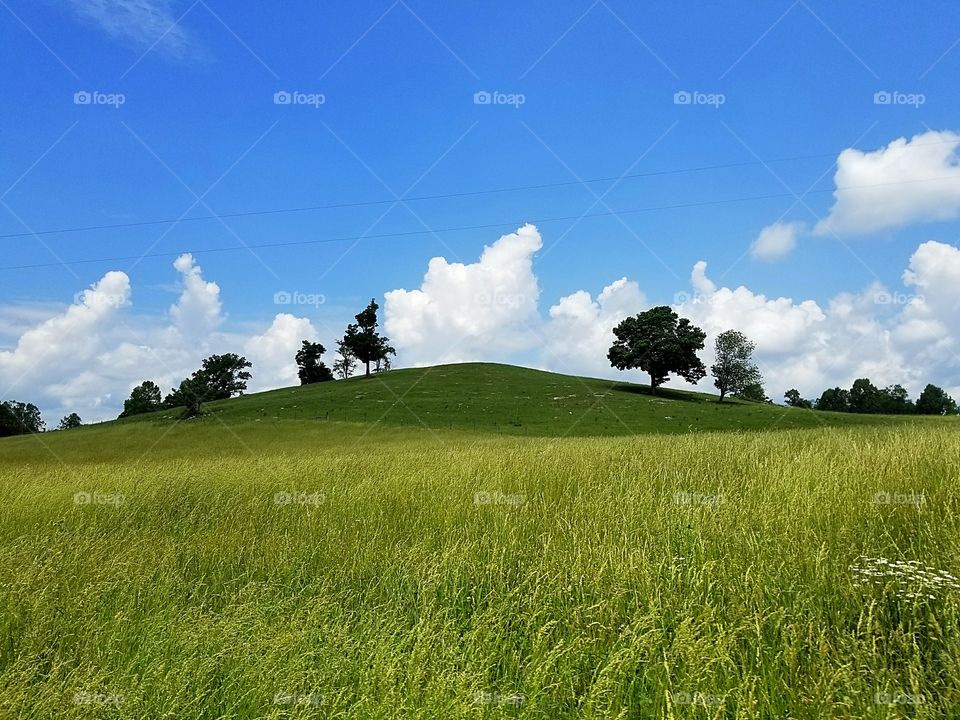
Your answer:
<point x="836" y="399"/>
<point x="734" y="369"/>
<point x="220" y="377"/>
<point x="19" y="418"/>
<point x="865" y="397"/>
<point x="935" y="401"/>
<point x="311" y="369"/>
<point x="659" y="342"/>
<point x="794" y="400"/>
<point x="69" y="422"/>
<point x="363" y="341"/>
<point x="144" y="398"/>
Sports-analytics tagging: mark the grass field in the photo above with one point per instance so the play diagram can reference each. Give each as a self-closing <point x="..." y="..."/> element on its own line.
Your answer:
<point x="261" y="563"/>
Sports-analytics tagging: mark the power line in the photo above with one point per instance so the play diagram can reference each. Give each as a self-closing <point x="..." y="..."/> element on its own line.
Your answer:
<point x="486" y="226"/>
<point x="420" y="198"/>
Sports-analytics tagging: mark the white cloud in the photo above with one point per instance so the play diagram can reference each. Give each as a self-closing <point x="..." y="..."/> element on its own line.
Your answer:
<point x="461" y="312"/>
<point x="580" y="329"/>
<point x="87" y="357"/>
<point x="272" y="353"/>
<point x="197" y="312"/>
<point x="145" y="24"/>
<point x="911" y="181"/>
<point x="776" y="241"/>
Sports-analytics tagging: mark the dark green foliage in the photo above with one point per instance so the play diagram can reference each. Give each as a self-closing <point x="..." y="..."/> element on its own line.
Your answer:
<point x="794" y="400"/>
<point x="734" y="370"/>
<point x="659" y="342"/>
<point x="363" y="341"/>
<point x="144" y="398"/>
<point x="221" y="377"/>
<point x="69" y="422"/>
<point x="311" y="368"/>
<point x="18" y="418"/>
<point x="753" y="392"/>
<point x="935" y="401"/>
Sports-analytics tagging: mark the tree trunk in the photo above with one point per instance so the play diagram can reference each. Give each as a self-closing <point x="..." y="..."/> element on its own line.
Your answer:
<point x="368" y="368"/>
<point x="653" y="386"/>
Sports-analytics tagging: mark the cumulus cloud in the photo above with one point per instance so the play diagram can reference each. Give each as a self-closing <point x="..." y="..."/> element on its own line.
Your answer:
<point x="87" y="357"/>
<point x="144" y="24"/>
<point x="891" y="336"/>
<point x="776" y="241"/>
<point x="908" y="181"/>
<point x="580" y="329"/>
<point x="464" y="311"/>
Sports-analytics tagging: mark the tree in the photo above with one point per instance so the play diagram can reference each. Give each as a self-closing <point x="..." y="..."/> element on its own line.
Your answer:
<point x="864" y="397"/>
<point x="935" y="401"/>
<point x="345" y="363"/>
<point x="311" y="367"/>
<point x="895" y="400"/>
<point x="794" y="400"/>
<point x="362" y="339"/>
<point x="734" y="370"/>
<point x="69" y="422"/>
<point x="18" y="418"/>
<point x="144" y="398"/>
<point x="836" y="399"/>
<point x="658" y="342"/>
<point x="753" y="392"/>
<point x="221" y="377"/>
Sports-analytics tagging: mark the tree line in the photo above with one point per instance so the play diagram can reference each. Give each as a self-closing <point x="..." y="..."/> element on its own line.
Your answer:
<point x="864" y="397"/>
<point x="224" y="376"/>
<point x="660" y="342"/>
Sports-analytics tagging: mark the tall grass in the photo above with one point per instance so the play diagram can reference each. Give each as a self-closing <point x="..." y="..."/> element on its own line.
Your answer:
<point x="684" y="576"/>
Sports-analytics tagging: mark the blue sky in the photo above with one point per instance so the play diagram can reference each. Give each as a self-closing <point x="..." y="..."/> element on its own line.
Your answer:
<point x="398" y="80"/>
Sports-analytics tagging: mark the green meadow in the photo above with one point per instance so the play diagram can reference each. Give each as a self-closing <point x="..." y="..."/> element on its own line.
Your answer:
<point x="481" y="541"/>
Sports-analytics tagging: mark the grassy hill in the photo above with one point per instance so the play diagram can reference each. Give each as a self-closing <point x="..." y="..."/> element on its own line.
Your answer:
<point x="263" y="563"/>
<point x="512" y="400"/>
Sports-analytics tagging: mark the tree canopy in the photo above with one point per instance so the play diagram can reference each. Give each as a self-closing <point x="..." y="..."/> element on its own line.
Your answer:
<point x="311" y="369"/>
<point x="734" y="370"/>
<point x="659" y="342"/>
<point x="362" y="340"/>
